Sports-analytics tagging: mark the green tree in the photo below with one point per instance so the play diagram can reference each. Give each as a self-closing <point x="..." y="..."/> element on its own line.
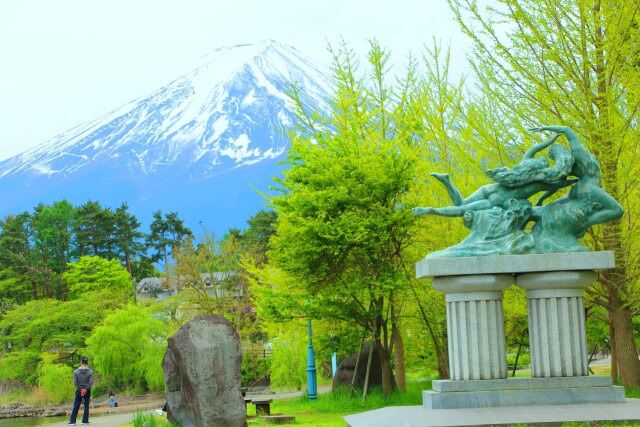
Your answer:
<point x="91" y="274"/>
<point x="52" y="233"/>
<point x="128" y="347"/>
<point x="571" y="62"/>
<point x="128" y="237"/>
<point x="48" y="326"/>
<point x="15" y="259"/>
<point x="289" y="358"/>
<point x="94" y="231"/>
<point x="343" y="229"/>
<point x="54" y="379"/>
<point x="262" y="226"/>
<point x="167" y="233"/>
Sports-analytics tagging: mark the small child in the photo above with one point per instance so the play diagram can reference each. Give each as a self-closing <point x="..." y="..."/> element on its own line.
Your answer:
<point x="112" y="400"/>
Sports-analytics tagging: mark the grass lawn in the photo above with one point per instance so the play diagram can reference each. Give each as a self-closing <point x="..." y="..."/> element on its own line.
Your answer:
<point x="328" y="409"/>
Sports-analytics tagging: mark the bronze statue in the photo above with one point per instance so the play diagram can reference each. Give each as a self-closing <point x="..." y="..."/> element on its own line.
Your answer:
<point x="498" y="213"/>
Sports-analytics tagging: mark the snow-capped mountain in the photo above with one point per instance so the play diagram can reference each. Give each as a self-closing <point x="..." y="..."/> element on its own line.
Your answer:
<point x="198" y="146"/>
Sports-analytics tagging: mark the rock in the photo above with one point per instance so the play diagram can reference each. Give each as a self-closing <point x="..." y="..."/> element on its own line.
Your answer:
<point x="202" y="373"/>
<point x="344" y="374"/>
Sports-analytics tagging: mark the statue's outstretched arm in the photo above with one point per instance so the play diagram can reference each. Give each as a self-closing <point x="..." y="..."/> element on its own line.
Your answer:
<point x="540" y="146"/>
<point x="574" y="142"/>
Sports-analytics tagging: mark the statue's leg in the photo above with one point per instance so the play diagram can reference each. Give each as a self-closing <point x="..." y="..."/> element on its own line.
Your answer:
<point x="451" y="211"/>
<point x="454" y="193"/>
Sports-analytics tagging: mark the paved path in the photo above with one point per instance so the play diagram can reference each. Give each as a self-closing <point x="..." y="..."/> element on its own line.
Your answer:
<point x="118" y="420"/>
<point x="115" y="420"/>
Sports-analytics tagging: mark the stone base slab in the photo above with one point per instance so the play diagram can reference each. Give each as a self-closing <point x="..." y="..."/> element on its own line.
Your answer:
<point x="522" y="391"/>
<point x="445" y="386"/>
<point x="514" y="264"/>
<point x="419" y="416"/>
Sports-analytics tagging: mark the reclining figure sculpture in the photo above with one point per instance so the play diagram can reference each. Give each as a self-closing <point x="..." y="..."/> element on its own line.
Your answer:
<point x="498" y="213"/>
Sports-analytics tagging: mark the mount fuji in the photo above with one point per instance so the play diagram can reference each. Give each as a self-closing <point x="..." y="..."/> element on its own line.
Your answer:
<point x="204" y="145"/>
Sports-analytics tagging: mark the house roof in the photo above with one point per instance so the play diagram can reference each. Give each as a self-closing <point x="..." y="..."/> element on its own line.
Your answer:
<point x="160" y="282"/>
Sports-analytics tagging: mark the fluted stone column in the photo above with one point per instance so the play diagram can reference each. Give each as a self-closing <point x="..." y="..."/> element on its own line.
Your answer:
<point x="475" y="325"/>
<point x="557" y="332"/>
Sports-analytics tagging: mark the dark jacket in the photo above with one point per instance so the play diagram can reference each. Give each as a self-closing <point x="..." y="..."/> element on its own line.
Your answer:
<point x="83" y="377"/>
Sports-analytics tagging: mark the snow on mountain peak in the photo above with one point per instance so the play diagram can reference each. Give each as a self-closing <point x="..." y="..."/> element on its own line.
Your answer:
<point x="231" y="110"/>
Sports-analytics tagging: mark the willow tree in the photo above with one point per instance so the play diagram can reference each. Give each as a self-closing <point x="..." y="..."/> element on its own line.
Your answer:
<point x="128" y="347"/>
<point x="572" y="62"/>
<point x="343" y="229"/>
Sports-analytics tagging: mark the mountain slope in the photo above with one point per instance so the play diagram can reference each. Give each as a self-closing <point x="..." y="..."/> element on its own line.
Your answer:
<point x="197" y="146"/>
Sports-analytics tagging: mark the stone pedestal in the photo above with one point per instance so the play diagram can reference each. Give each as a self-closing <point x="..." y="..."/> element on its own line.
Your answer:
<point x="475" y="325"/>
<point x="554" y="284"/>
<point x="557" y="332"/>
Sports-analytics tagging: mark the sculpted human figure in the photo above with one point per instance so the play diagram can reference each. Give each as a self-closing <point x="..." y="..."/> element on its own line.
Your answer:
<point x="531" y="176"/>
<point x="560" y="223"/>
<point x="497" y="213"/>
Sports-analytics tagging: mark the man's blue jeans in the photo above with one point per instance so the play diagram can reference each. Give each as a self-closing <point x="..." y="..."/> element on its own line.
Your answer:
<point x="76" y="406"/>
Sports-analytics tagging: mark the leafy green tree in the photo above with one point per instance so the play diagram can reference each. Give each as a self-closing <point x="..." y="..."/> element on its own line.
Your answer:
<point x="167" y="233"/>
<point x="289" y="359"/>
<point x="52" y="233"/>
<point x="94" y="231"/>
<point x="48" y="326"/>
<point x="143" y="267"/>
<point x="54" y="379"/>
<point x="574" y="63"/>
<point x="342" y="226"/>
<point x="128" y="348"/>
<point x="15" y="259"/>
<point x="91" y="274"/>
<point x="128" y="237"/>
<point x="262" y="226"/>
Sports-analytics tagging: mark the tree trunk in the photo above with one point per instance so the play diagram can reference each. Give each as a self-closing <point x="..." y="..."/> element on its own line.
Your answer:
<point x="385" y="365"/>
<point x="625" y="365"/>
<point x="614" y="280"/>
<point x="439" y="343"/>
<point x="442" y="360"/>
<point x="400" y="369"/>
<point x="626" y="352"/>
<point x="614" y="354"/>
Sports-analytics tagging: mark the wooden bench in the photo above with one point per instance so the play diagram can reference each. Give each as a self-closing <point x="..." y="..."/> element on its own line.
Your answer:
<point x="263" y="407"/>
<point x="246" y="402"/>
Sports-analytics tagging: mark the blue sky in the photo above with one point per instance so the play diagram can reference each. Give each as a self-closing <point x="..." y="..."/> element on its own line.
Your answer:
<point x="68" y="61"/>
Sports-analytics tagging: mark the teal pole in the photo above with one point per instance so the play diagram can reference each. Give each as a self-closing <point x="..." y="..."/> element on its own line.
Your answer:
<point x="312" y="389"/>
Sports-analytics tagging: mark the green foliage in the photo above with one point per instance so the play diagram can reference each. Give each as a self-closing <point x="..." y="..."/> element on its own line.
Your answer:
<point x="573" y="63"/>
<point x="167" y="234"/>
<point x="289" y="360"/>
<point x="524" y="359"/>
<point x="128" y="348"/>
<point x="55" y="379"/>
<point x="35" y="249"/>
<point x="94" y="230"/>
<point x="254" y="367"/>
<point x="92" y="273"/>
<point x="141" y="419"/>
<point x="343" y="220"/>
<point x="48" y="326"/>
<point x="329" y="408"/>
<point x="15" y="258"/>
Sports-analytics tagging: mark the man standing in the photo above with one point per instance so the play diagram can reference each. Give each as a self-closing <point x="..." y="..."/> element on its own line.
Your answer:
<point x="83" y="380"/>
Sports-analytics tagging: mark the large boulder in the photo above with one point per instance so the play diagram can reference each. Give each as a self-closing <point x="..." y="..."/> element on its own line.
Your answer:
<point x="347" y="367"/>
<point x="202" y="374"/>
